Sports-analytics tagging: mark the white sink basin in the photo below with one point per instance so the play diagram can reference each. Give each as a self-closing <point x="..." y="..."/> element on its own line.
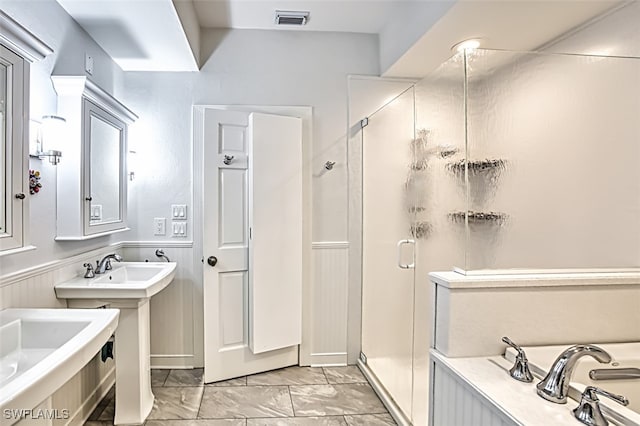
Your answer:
<point x="127" y="280"/>
<point x="41" y="349"/>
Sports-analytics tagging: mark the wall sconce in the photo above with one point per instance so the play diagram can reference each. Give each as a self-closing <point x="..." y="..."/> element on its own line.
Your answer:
<point x="52" y="132"/>
<point x="131" y="164"/>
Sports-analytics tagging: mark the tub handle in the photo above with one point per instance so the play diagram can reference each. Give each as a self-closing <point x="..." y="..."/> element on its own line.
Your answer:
<point x="520" y="370"/>
<point x="588" y="411"/>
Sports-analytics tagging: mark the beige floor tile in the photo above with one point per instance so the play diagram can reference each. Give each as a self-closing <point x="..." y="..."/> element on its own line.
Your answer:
<point x="176" y="403"/>
<point x="289" y="376"/>
<point x="323" y="400"/>
<point x="342" y="375"/>
<point x="245" y="401"/>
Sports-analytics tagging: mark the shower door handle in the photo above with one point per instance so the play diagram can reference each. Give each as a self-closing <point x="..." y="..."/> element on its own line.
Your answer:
<point x="413" y="254"/>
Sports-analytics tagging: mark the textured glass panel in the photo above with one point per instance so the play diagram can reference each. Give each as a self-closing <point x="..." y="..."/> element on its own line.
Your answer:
<point x="555" y="142"/>
<point x="442" y="192"/>
<point x="388" y="217"/>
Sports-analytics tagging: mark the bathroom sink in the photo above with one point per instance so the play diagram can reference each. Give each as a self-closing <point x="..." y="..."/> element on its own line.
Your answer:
<point x="127" y="280"/>
<point x="129" y="287"/>
<point x="41" y="349"/>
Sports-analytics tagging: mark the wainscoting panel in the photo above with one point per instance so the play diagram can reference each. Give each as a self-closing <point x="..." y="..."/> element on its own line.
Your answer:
<point x="171" y="317"/>
<point x="172" y="309"/>
<point x="455" y="403"/>
<point x="329" y="296"/>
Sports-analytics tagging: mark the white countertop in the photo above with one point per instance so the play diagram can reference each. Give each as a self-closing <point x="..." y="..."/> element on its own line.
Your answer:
<point x="517" y="400"/>
<point x="455" y="280"/>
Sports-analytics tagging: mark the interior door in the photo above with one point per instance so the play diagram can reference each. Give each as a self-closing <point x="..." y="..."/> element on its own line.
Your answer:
<point x="226" y="241"/>
<point x="387" y="272"/>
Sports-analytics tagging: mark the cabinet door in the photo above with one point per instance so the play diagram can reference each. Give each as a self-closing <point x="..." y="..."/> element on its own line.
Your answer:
<point x="14" y="73"/>
<point x="104" y="144"/>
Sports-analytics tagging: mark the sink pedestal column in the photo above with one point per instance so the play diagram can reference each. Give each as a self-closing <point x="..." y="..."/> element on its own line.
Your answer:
<point x="134" y="399"/>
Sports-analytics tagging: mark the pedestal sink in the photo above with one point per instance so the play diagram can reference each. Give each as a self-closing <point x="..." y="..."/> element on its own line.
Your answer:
<point x="41" y="349"/>
<point x="128" y="286"/>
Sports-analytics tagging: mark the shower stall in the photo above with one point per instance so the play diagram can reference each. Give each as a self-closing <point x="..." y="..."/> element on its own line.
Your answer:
<point x="496" y="162"/>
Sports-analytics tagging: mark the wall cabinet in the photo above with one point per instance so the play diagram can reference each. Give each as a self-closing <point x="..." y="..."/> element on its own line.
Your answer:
<point x="18" y="49"/>
<point x="92" y="184"/>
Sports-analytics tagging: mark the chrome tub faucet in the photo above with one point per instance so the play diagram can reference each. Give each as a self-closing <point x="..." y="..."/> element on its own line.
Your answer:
<point x="555" y="386"/>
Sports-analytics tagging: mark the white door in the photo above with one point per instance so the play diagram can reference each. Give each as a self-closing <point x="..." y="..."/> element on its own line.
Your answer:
<point x="228" y="306"/>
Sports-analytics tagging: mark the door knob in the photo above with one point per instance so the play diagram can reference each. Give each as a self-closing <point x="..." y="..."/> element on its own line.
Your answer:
<point x="212" y="260"/>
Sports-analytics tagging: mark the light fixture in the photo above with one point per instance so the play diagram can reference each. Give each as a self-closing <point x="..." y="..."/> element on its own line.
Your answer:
<point x="131" y="164"/>
<point x="472" y="43"/>
<point x="52" y="134"/>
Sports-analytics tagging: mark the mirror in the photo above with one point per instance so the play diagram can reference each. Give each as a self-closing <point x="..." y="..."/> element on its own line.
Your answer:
<point x="105" y="146"/>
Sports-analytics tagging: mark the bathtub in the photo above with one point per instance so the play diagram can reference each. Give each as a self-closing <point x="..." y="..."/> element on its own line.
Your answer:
<point x="624" y="355"/>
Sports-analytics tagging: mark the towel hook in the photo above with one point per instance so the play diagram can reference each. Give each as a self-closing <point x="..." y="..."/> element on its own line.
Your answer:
<point x="329" y="165"/>
<point x="227" y="159"/>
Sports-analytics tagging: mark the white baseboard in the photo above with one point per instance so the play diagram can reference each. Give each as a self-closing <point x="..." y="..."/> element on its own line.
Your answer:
<point x="395" y="411"/>
<point x="328" y="359"/>
<point x="179" y="361"/>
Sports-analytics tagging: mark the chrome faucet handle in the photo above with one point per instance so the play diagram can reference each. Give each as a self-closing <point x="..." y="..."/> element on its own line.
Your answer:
<point x="588" y="411"/>
<point x="89" y="273"/>
<point x="520" y="370"/>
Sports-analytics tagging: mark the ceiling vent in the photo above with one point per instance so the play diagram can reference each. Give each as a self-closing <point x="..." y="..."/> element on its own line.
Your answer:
<point x="291" y="18"/>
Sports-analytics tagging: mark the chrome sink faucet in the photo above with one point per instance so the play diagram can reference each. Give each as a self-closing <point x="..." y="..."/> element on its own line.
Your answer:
<point x="555" y="386"/>
<point x="104" y="264"/>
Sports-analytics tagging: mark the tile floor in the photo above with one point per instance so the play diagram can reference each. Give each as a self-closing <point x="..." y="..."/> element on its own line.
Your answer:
<point x="304" y="396"/>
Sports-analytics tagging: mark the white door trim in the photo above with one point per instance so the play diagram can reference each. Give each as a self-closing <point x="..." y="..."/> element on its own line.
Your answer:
<point x="306" y="114"/>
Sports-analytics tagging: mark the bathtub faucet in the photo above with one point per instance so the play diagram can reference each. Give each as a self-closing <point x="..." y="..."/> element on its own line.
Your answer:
<point x="555" y="386"/>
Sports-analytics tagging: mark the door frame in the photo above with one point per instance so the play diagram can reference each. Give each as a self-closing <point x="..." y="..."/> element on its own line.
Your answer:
<point x="306" y="114"/>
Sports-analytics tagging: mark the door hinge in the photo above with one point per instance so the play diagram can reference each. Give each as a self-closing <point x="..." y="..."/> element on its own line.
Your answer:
<point x="364" y="122"/>
<point x="250" y="233"/>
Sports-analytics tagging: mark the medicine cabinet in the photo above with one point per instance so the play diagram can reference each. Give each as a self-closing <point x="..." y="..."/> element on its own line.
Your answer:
<point x="19" y="48"/>
<point x="92" y="184"/>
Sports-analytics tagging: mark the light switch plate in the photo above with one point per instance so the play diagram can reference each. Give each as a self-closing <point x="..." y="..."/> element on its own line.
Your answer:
<point x="179" y="211"/>
<point x="178" y="229"/>
<point x="159" y="226"/>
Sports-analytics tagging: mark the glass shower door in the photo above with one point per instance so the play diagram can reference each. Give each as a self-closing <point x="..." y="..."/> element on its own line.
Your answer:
<point x="388" y="248"/>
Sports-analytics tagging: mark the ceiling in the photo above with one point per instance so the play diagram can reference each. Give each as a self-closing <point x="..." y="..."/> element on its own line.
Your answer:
<point x="140" y="35"/>
<point x="164" y="35"/>
<point x="360" y="16"/>
<point x="522" y="25"/>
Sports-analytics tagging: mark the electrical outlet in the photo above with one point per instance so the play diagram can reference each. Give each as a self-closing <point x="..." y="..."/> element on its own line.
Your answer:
<point x="179" y="211"/>
<point x="159" y="226"/>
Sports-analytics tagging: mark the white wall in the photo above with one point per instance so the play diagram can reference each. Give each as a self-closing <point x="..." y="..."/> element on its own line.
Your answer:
<point x="411" y="21"/>
<point x="614" y="34"/>
<point x="49" y="22"/>
<point x="567" y="125"/>
<point x="247" y="67"/>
